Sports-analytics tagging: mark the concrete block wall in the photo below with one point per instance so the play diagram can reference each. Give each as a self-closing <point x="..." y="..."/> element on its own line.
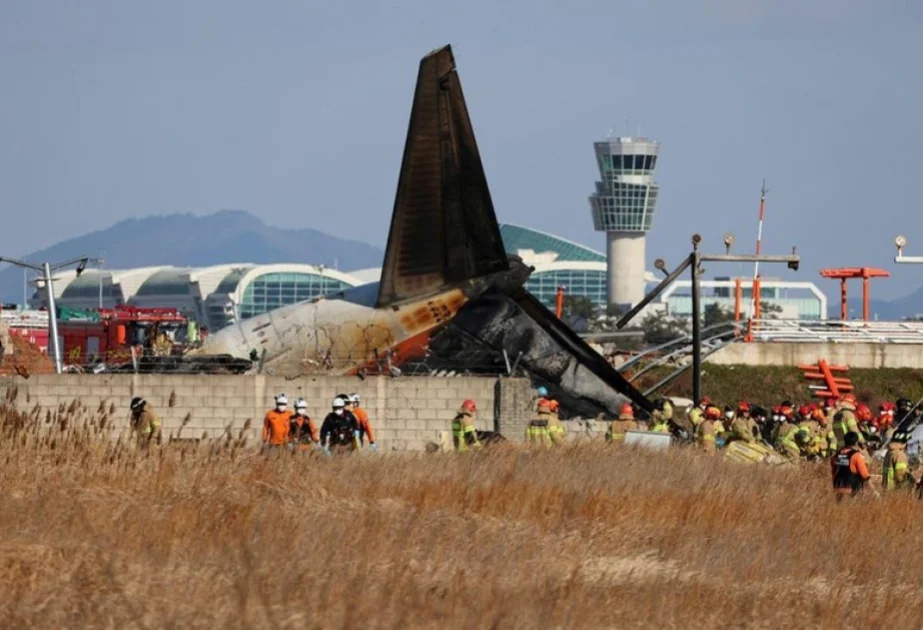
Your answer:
<point x="857" y="355"/>
<point x="406" y="413"/>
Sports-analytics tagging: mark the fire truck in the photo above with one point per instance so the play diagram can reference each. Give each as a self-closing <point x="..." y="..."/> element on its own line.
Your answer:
<point x="110" y="336"/>
<point x="29" y="325"/>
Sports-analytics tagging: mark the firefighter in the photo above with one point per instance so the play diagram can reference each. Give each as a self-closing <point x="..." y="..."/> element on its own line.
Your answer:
<point x="743" y="428"/>
<point x="555" y="428"/>
<point x="537" y="431"/>
<point x="844" y="420"/>
<point x="850" y="474"/>
<point x="362" y="420"/>
<point x="626" y="422"/>
<point x="660" y="419"/>
<point x="824" y="438"/>
<point x="808" y="436"/>
<point x="886" y="413"/>
<point x="338" y="431"/>
<point x="302" y="431"/>
<point x="705" y="433"/>
<point x="786" y="434"/>
<point x="894" y="470"/>
<point x="464" y="436"/>
<point x="277" y="424"/>
<point x="144" y="422"/>
<point x="697" y="413"/>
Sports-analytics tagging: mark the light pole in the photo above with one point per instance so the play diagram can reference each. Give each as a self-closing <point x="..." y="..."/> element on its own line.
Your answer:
<point x="45" y="269"/>
<point x="694" y="261"/>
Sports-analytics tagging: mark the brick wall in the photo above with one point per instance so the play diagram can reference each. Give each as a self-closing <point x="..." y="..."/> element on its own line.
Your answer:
<point x="406" y="413"/>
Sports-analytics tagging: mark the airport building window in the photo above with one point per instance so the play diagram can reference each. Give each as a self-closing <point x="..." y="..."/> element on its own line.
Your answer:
<point x="272" y="290"/>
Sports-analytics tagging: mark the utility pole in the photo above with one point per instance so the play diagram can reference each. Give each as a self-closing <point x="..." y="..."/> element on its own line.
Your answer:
<point x="46" y="270"/>
<point x="696" y="321"/>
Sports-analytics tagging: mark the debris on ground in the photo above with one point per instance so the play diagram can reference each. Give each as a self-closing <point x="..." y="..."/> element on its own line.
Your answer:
<point x="24" y="360"/>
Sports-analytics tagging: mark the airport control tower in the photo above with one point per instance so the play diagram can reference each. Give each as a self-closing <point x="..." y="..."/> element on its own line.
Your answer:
<point x="623" y="207"/>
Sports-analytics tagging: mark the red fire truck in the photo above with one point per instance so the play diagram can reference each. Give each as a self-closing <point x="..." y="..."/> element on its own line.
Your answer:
<point x="108" y="335"/>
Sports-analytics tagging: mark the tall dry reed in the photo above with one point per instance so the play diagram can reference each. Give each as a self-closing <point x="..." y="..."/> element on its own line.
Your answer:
<point x="97" y="533"/>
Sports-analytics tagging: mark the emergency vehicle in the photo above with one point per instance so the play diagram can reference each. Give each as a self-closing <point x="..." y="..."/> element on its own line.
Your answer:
<point x="109" y="335"/>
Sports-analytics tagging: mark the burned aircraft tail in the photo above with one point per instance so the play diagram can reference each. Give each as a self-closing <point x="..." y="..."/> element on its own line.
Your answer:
<point x="443" y="230"/>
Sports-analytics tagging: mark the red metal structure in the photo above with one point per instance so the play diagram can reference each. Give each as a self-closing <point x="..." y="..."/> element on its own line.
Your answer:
<point x="844" y="274"/>
<point x="559" y="302"/>
<point x="109" y="334"/>
<point x="834" y="386"/>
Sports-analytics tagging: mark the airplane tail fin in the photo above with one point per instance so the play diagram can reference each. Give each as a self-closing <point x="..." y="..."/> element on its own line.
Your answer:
<point x="443" y="229"/>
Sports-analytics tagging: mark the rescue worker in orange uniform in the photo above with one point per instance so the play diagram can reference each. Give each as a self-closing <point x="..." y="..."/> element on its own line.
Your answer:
<point x="302" y="431"/>
<point x="850" y="474"/>
<point x="537" y="432"/>
<point x="464" y="435"/>
<point x="706" y="433"/>
<point x="555" y="428"/>
<point x="626" y="422"/>
<point x="894" y="469"/>
<point x="362" y="420"/>
<point x="277" y="424"/>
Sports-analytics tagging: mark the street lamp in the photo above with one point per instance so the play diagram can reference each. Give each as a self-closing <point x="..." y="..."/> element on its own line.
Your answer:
<point x="45" y="269"/>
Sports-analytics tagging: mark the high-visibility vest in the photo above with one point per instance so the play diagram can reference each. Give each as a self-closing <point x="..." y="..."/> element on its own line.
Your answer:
<point x="660" y="427"/>
<point x="460" y="433"/>
<point x="889" y="471"/>
<point x="537" y="432"/>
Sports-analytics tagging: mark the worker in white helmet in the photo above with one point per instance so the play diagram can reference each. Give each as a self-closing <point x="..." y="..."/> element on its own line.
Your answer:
<point x="302" y="430"/>
<point x="338" y="432"/>
<point x="277" y="424"/>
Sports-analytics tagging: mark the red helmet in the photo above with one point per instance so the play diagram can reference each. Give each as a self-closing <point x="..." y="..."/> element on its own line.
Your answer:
<point x="886" y="407"/>
<point x="786" y="411"/>
<point x="544" y="404"/>
<point x="743" y="406"/>
<point x="830" y="402"/>
<point x="705" y="401"/>
<point x="777" y="410"/>
<point x="863" y="413"/>
<point x="469" y="405"/>
<point x="627" y="410"/>
<point x="712" y="413"/>
<point x="554" y="405"/>
<point x="804" y="411"/>
<point x="849" y="398"/>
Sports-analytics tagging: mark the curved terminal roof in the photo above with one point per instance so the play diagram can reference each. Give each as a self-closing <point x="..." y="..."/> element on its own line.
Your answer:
<point x="534" y="243"/>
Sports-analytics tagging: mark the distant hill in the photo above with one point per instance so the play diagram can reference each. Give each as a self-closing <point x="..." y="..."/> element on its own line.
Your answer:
<point x="187" y="240"/>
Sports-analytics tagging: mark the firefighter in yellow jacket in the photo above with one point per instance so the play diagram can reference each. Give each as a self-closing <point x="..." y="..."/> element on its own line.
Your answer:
<point x="894" y="470"/>
<point x="786" y="439"/>
<point x="537" y="433"/>
<point x="555" y="429"/>
<point x="144" y="422"/>
<point x="844" y="421"/>
<point x="706" y="432"/>
<point x="743" y="427"/>
<point x="464" y="436"/>
<point x="626" y="422"/>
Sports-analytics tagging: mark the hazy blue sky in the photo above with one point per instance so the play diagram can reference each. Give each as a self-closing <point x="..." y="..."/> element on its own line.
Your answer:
<point x="297" y="111"/>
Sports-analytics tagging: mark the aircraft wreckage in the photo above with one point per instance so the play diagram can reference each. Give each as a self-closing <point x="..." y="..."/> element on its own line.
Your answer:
<point x="447" y="282"/>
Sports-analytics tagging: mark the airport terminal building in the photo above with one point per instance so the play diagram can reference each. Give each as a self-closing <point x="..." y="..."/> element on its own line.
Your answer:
<point x="224" y="294"/>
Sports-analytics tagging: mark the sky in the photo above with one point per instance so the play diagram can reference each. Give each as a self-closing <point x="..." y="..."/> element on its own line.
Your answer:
<point x="297" y="112"/>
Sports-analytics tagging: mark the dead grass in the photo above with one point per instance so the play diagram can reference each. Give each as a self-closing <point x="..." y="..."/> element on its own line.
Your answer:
<point x="97" y="534"/>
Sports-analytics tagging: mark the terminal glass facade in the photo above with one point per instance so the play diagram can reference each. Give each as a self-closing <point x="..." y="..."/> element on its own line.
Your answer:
<point x="590" y="283"/>
<point x="273" y="290"/>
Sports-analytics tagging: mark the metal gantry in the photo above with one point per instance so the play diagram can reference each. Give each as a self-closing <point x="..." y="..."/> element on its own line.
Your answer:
<point x="694" y="261"/>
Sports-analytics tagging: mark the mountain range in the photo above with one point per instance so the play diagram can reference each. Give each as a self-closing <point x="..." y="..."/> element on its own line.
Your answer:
<point x="188" y="240"/>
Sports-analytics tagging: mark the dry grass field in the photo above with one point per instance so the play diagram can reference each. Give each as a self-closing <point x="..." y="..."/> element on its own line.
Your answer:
<point x="98" y="534"/>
